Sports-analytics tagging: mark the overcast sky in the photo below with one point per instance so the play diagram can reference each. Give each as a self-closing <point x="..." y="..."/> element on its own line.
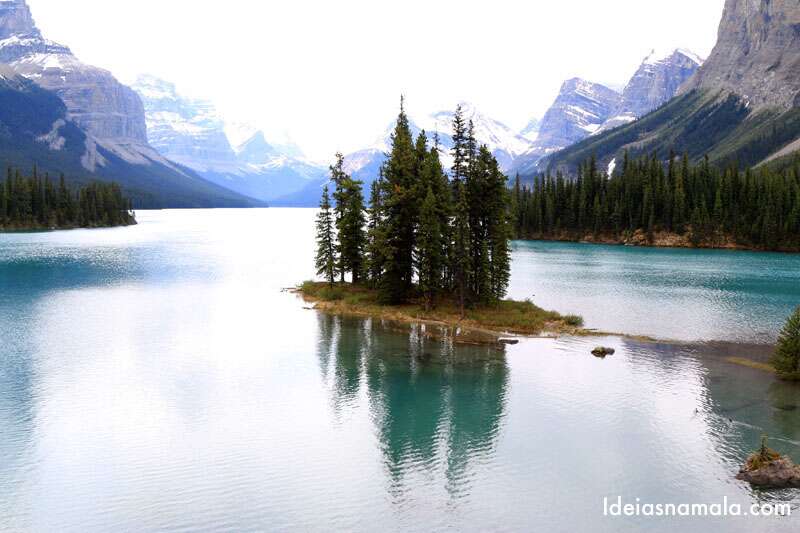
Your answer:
<point x="330" y="72"/>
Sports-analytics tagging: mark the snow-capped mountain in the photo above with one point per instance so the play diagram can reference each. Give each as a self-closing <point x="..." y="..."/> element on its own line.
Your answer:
<point x="110" y="112"/>
<point x="108" y="115"/>
<point x="187" y="131"/>
<point x="583" y="109"/>
<point x="236" y="156"/>
<point x="580" y="110"/>
<point x="365" y="164"/>
<point x="655" y="82"/>
<point x="504" y="143"/>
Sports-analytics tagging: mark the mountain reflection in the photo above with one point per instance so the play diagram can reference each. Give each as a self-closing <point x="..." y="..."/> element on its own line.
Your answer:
<point x="435" y="406"/>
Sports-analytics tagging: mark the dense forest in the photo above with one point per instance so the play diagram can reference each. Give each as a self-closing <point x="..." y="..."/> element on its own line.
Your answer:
<point x="36" y="202"/>
<point x="648" y="201"/>
<point x="424" y="234"/>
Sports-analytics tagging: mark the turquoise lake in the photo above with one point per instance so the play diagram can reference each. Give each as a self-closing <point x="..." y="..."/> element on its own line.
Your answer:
<point x="156" y="378"/>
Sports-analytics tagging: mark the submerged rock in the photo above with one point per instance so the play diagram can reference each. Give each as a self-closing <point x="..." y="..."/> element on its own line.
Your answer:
<point x="510" y="342"/>
<point x="602" y="351"/>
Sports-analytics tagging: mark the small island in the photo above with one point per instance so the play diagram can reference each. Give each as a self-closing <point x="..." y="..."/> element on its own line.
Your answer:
<point x="768" y="469"/>
<point x="478" y="325"/>
<point x="36" y="203"/>
<point x="431" y="247"/>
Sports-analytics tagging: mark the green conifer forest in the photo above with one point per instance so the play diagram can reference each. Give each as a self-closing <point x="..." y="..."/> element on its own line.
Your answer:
<point x="36" y="202"/>
<point x="424" y="234"/>
<point x="706" y="206"/>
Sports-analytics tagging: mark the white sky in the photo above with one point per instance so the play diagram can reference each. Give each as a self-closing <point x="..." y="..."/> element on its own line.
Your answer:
<point x="329" y="73"/>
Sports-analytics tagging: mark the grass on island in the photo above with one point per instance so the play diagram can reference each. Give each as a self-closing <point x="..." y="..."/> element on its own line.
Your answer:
<point x="766" y="367"/>
<point x="510" y="316"/>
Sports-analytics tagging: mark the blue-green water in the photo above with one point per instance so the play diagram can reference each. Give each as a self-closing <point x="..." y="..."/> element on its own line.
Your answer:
<point x="665" y="293"/>
<point x="156" y="378"/>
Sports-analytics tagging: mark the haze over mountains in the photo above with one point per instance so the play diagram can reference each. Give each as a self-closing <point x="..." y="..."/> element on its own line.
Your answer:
<point x="235" y="156"/>
<point x="581" y="109"/>
<point x="169" y="150"/>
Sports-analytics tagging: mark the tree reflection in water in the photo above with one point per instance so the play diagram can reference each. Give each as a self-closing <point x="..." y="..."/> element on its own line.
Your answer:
<point x="437" y="407"/>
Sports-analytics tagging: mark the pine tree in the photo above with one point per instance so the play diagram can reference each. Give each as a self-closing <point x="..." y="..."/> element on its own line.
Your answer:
<point x="376" y="239"/>
<point x="786" y="359"/>
<point x="429" y="250"/>
<point x="326" y="259"/>
<point x="461" y="246"/>
<point x="400" y="211"/>
<point x="459" y="152"/>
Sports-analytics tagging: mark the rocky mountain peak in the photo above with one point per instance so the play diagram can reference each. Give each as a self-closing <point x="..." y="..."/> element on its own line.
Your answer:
<point x="757" y="55"/>
<point x="96" y="101"/>
<point x="16" y="19"/>
<point x="256" y="150"/>
<point x="531" y="129"/>
<point x="580" y="109"/>
<point x="655" y="82"/>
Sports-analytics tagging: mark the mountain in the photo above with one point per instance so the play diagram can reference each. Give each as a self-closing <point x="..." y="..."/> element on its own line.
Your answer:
<point x="504" y="143"/>
<point x="756" y="56"/>
<point x="741" y="106"/>
<point x="580" y="109"/>
<point x="655" y="82"/>
<point x="109" y="115"/>
<point x="186" y="131"/>
<point x="36" y="130"/>
<point x="531" y="130"/>
<point x="192" y="133"/>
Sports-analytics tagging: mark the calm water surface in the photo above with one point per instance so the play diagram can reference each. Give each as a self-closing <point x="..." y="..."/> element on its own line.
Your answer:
<point x="156" y="378"/>
<point x="674" y="294"/>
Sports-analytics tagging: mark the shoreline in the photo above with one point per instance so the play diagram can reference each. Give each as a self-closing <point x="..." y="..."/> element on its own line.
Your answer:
<point x="661" y="239"/>
<point x="473" y="329"/>
<point x="46" y="229"/>
<point x="746" y="355"/>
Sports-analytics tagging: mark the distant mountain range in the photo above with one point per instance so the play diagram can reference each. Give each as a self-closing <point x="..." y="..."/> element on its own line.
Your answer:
<point x="742" y="106"/>
<point x="97" y="125"/>
<point x="505" y="144"/>
<point x="167" y="150"/>
<point x="234" y="156"/>
<point x="584" y="109"/>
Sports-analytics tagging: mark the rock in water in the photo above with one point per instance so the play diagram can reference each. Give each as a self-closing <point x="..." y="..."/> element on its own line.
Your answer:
<point x="778" y="473"/>
<point x="602" y="351"/>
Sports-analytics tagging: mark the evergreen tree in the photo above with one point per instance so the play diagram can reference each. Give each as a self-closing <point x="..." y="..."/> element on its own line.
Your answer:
<point x="376" y="239"/>
<point x="459" y="152"/>
<point x="326" y="259"/>
<point x="787" y="354"/>
<point x="35" y="202"/>
<point x="400" y="211"/>
<point x="757" y="208"/>
<point x="461" y="246"/>
<point x="429" y="250"/>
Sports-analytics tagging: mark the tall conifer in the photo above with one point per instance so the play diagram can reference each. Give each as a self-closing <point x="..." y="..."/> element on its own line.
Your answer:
<point x="325" y="259"/>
